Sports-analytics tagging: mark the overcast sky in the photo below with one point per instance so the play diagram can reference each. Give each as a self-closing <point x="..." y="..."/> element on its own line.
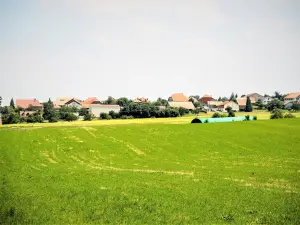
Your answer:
<point x="150" y="48"/>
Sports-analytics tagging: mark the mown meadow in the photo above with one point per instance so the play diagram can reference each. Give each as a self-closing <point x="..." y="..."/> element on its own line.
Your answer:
<point x="241" y="172"/>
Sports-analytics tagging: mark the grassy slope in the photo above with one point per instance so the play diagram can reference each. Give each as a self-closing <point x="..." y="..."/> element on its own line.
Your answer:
<point x="243" y="172"/>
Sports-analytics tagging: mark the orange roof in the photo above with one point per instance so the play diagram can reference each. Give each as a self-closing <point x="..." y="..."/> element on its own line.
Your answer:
<point x="139" y="100"/>
<point x="292" y="95"/>
<point x="241" y="101"/>
<point x="25" y="103"/>
<point x="179" y="97"/>
<point x="90" y="100"/>
<point x="206" y="96"/>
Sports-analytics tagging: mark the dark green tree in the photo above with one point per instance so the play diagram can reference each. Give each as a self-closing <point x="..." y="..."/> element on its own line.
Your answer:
<point x="231" y="96"/>
<point x="220" y="99"/>
<point x="295" y="106"/>
<point x="259" y="104"/>
<point x="50" y="113"/>
<point x="275" y="104"/>
<point x="0" y="101"/>
<point x="197" y="104"/>
<point x="12" y="104"/>
<point x="110" y="101"/>
<point x="9" y="116"/>
<point x="122" y="101"/>
<point x="248" y="105"/>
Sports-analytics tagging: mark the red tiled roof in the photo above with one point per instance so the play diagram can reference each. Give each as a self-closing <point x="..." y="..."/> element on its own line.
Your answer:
<point x="292" y="95"/>
<point x="25" y="103"/>
<point x="90" y="100"/>
<point x="179" y="97"/>
<point x="206" y="98"/>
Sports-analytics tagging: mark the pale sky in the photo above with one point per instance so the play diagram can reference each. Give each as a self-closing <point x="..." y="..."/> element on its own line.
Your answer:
<point x="152" y="48"/>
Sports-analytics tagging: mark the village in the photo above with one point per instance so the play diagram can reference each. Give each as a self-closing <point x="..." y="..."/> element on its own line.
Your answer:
<point x="177" y="104"/>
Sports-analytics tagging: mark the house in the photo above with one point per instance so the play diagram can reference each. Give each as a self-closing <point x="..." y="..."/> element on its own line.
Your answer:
<point x="242" y="102"/>
<point x="24" y="114"/>
<point x="178" y="97"/>
<point x="73" y="103"/>
<point x="187" y="105"/>
<point x="292" y="97"/>
<point x="140" y="100"/>
<point x="221" y="106"/>
<point x="97" y="109"/>
<point x="205" y="99"/>
<point x="266" y="100"/>
<point x="90" y="100"/>
<point x="29" y="103"/>
<point x="60" y="101"/>
<point x="193" y="99"/>
<point x="256" y="97"/>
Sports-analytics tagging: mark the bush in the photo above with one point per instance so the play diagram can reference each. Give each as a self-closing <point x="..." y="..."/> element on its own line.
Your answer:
<point x="216" y="115"/>
<point x="231" y="114"/>
<point x="70" y="117"/>
<point x="289" y="115"/>
<point x="276" y="114"/>
<point x="254" y="117"/>
<point x="88" y="117"/>
<point x="247" y="117"/>
<point x="114" y="114"/>
<point x="105" y="116"/>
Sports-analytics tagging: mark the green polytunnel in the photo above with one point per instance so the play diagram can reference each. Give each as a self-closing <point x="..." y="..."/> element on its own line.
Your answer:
<point x="221" y="119"/>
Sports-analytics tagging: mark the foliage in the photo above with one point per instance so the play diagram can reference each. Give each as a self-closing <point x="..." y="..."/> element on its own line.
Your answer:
<point x="228" y="109"/>
<point x="161" y="102"/>
<point x="197" y="105"/>
<point x="122" y="101"/>
<point x="105" y="116"/>
<point x="275" y="104"/>
<point x="114" y="115"/>
<point x="216" y="115"/>
<point x="50" y="113"/>
<point x="67" y="113"/>
<point x="289" y="115"/>
<point x="276" y="114"/>
<point x="183" y="111"/>
<point x="224" y="99"/>
<point x="9" y="115"/>
<point x="88" y="117"/>
<point x="0" y="101"/>
<point x="124" y="117"/>
<point x="12" y="104"/>
<point x="231" y="114"/>
<point x="83" y="112"/>
<point x="247" y="117"/>
<point x="70" y="117"/>
<point x="254" y="117"/>
<point x="295" y="106"/>
<point x="248" y="105"/>
<point x="220" y="99"/>
<point x="231" y="96"/>
<point x="110" y="101"/>
<point x="259" y="104"/>
<point x="196" y="111"/>
<point x="35" y="118"/>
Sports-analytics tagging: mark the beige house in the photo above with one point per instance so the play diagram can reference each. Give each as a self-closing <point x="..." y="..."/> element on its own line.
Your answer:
<point x="221" y="106"/>
<point x="97" y="109"/>
<point x="186" y="105"/>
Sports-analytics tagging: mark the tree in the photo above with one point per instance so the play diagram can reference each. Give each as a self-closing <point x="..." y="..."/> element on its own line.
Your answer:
<point x="236" y="95"/>
<point x="9" y="116"/>
<point x="123" y="101"/>
<point x="275" y="104"/>
<point x="295" y="106"/>
<point x="183" y="111"/>
<point x="113" y="114"/>
<point x="228" y="109"/>
<point x="224" y="99"/>
<point x="49" y="112"/>
<point x="88" y="117"/>
<point x="197" y="104"/>
<point x="231" y="96"/>
<point x="248" y="105"/>
<point x="105" y="116"/>
<point x="0" y="101"/>
<point x="110" y="101"/>
<point x="196" y="111"/>
<point x="259" y="104"/>
<point x="12" y="104"/>
<point x="83" y="112"/>
<point x="161" y="102"/>
<point x="220" y="99"/>
<point x="276" y="114"/>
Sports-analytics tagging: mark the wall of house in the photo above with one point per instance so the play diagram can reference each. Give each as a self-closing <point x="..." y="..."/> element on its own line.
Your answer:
<point x="96" y="110"/>
<point x="234" y="106"/>
<point x="74" y="104"/>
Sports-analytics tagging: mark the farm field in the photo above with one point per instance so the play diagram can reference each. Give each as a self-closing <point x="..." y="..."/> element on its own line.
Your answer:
<point x="261" y="115"/>
<point x="241" y="172"/>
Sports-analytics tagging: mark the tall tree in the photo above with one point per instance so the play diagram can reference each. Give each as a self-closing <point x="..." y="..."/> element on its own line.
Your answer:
<point x="236" y="95"/>
<point x="231" y="96"/>
<point x="0" y="100"/>
<point x="12" y="104"/>
<point x="110" y="101"/>
<point x="248" y="105"/>
<point x="49" y="112"/>
<point x="220" y="99"/>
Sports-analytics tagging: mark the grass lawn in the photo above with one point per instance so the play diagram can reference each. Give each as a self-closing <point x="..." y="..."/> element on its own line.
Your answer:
<point x="241" y="172"/>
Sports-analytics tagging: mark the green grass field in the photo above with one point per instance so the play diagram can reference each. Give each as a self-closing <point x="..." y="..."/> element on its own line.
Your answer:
<point x="241" y="173"/>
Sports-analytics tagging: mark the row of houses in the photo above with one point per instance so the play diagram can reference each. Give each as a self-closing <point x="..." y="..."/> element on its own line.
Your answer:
<point x="176" y="100"/>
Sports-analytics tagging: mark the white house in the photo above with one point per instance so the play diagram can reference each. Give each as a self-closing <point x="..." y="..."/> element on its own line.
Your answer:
<point x="97" y="109"/>
<point x="73" y="103"/>
<point x="292" y="97"/>
<point x="266" y="100"/>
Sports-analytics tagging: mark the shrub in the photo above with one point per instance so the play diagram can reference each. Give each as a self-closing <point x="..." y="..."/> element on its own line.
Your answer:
<point x="276" y="114"/>
<point x="247" y="117"/>
<point x="70" y="117"/>
<point x="254" y="117"/>
<point x="231" y="114"/>
<point x="223" y="115"/>
<point x="105" y="116"/>
<point x="88" y="117"/>
<point x="289" y="115"/>
<point x="216" y="115"/>
<point x="114" y="114"/>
